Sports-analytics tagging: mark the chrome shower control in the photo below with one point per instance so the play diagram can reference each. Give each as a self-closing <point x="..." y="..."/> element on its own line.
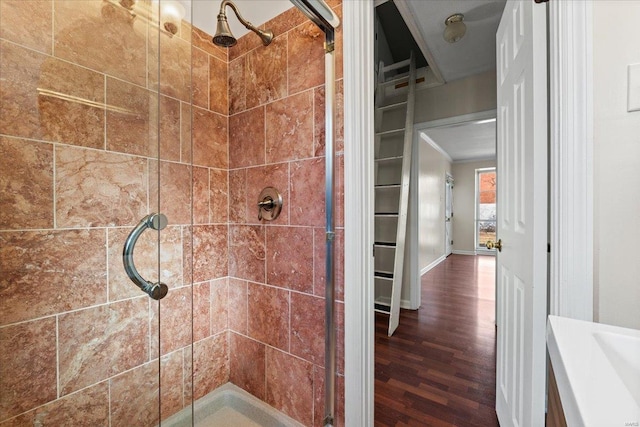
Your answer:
<point x="269" y="204"/>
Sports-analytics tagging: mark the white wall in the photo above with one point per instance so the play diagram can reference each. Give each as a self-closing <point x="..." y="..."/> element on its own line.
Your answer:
<point x="456" y="98"/>
<point x="616" y="165"/>
<point x="465" y="96"/>
<point x="464" y="203"/>
<point x="433" y="168"/>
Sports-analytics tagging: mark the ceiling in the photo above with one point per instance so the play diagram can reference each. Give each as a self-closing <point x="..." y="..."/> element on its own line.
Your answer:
<point x="474" y="140"/>
<point x="475" y="53"/>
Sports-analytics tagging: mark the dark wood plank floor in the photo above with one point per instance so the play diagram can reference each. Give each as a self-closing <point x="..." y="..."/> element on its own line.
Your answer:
<point x="438" y="369"/>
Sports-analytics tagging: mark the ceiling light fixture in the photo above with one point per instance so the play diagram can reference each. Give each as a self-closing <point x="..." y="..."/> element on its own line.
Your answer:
<point x="455" y="28"/>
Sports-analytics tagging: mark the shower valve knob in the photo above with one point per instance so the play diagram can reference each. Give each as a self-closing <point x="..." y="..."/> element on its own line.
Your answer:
<point x="269" y="204"/>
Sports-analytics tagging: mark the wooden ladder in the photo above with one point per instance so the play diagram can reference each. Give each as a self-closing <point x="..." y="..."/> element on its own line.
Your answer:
<point x="393" y="148"/>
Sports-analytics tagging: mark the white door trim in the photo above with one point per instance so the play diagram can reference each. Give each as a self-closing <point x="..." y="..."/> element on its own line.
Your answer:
<point x="571" y="159"/>
<point x="455" y="120"/>
<point x="569" y="296"/>
<point x="358" y="30"/>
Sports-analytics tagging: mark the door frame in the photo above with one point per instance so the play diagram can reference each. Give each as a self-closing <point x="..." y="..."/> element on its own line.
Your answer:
<point x="570" y="53"/>
<point x="477" y="249"/>
<point x="570" y="193"/>
<point x="359" y="321"/>
<point x="448" y="203"/>
<point x="419" y="136"/>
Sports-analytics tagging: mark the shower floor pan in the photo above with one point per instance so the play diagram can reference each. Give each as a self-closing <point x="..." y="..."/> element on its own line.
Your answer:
<point x="228" y="406"/>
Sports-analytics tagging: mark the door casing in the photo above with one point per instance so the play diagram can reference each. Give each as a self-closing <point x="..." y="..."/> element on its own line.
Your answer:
<point x="571" y="284"/>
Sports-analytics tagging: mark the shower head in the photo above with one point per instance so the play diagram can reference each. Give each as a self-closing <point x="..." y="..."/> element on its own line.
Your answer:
<point x="223" y="35"/>
<point x="225" y="38"/>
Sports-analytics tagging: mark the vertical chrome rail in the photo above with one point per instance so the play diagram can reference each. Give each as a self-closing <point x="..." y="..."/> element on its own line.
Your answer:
<point x="154" y="290"/>
<point x="324" y="17"/>
<point x="329" y="149"/>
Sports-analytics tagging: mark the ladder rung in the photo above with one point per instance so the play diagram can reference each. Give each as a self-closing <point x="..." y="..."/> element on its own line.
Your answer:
<point x="395" y="81"/>
<point x="385" y="244"/>
<point x="386" y="215"/>
<point x="405" y="84"/>
<point x="383" y="275"/>
<point x="388" y="159"/>
<point x="390" y="132"/>
<point x="380" y="308"/>
<point x="388" y="186"/>
<point x="392" y="106"/>
<point x="397" y="65"/>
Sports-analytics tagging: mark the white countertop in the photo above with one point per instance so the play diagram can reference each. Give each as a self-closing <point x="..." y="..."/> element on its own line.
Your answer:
<point x="597" y="368"/>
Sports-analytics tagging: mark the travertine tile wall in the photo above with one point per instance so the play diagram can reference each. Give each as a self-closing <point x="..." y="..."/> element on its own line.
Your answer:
<point x="77" y="338"/>
<point x="88" y="101"/>
<point x="276" y="269"/>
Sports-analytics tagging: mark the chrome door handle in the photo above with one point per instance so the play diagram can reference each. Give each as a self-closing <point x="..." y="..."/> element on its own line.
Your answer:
<point x="156" y="221"/>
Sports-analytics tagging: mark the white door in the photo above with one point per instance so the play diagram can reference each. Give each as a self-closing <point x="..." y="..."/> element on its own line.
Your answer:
<point x="521" y="273"/>
<point x="448" y="216"/>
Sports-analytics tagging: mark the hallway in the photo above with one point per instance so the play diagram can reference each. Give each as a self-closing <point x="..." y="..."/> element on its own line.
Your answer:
<point x="438" y="369"/>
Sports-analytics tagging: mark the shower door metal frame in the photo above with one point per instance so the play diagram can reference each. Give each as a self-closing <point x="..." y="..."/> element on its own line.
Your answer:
<point x="328" y="26"/>
<point x="329" y="146"/>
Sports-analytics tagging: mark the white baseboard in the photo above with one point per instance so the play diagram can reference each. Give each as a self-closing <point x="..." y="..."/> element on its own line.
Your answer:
<point x="404" y="303"/>
<point x="459" y="252"/>
<point x="433" y="264"/>
<point x="485" y="252"/>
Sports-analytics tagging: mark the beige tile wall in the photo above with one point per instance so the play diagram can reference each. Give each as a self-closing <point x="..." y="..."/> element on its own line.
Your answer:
<point x="88" y="101"/>
<point x="276" y="269"/>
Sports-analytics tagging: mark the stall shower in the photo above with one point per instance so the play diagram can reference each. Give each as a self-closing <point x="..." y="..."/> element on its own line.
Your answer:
<point x="112" y="111"/>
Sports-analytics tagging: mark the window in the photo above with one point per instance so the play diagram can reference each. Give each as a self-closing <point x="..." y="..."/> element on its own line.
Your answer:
<point x="485" y="206"/>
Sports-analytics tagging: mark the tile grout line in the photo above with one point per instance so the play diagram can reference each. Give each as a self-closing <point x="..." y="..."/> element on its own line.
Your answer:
<point x="54" y="195"/>
<point x="109" y="401"/>
<point x="289" y="304"/>
<point x="264" y="141"/>
<point x="53" y="29"/>
<point x="183" y="382"/>
<point x="58" y="357"/>
<point x="106" y="239"/>
<point x="104" y="113"/>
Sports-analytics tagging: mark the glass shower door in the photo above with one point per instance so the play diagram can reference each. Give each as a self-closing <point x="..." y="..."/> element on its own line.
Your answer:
<point x="171" y="194"/>
<point x="94" y="136"/>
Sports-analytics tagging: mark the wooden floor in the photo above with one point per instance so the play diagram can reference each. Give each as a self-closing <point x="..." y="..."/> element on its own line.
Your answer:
<point x="438" y="369"/>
